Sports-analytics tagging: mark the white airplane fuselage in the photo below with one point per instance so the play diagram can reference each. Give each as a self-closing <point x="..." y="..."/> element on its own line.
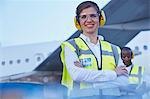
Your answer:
<point x="24" y="58"/>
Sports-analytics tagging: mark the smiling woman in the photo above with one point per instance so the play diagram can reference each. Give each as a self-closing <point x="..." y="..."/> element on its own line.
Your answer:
<point x="91" y="53"/>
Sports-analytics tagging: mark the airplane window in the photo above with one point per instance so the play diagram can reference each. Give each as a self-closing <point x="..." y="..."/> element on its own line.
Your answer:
<point x="18" y="61"/>
<point x="27" y="60"/>
<point x="145" y="47"/>
<point x="3" y="62"/>
<point x="136" y="48"/>
<point x="45" y="79"/>
<point x="10" y="62"/>
<point x="38" y="58"/>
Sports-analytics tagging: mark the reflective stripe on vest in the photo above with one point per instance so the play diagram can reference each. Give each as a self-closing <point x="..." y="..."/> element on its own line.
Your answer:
<point x="88" y="59"/>
<point x="136" y="74"/>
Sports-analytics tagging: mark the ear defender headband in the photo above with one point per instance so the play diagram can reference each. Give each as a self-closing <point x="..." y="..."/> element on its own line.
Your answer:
<point x="102" y="19"/>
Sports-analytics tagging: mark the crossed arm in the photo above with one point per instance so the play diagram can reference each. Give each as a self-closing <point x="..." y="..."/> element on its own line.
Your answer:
<point x="87" y="75"/>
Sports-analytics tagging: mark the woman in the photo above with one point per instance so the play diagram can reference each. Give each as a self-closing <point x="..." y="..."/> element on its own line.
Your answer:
<point x="96" y="56"/>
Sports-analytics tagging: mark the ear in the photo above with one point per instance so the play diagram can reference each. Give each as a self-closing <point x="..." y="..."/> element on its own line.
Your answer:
<point x="77" y="25"/>
<point x="102" y="18"/>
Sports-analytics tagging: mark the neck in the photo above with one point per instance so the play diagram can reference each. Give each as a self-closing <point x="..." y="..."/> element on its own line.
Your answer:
<point x="93" y="37"/>
<point x="129" y="64"/>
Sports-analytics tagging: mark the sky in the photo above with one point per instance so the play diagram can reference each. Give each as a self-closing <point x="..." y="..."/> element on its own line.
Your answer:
<point x="34" y="21"/>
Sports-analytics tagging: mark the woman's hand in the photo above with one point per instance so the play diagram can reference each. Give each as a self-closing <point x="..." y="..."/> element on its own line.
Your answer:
<point x="121" y="70"/>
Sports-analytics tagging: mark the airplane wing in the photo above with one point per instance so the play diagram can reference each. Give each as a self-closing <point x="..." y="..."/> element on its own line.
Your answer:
<point x="125" y="19"/>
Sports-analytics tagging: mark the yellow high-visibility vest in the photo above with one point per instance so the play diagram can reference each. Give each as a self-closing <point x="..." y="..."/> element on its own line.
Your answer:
<point x="88" y="59"/>
<point x="136" y="73"/>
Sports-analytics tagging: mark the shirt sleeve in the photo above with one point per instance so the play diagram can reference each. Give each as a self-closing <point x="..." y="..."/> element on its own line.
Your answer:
<point x="120" y="62"/>
<point x="85" y="75"/>
<point x="118" y="82"/>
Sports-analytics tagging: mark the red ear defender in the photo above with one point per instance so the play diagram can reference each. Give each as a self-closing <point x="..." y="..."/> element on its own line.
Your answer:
<point x="102" y="20"/>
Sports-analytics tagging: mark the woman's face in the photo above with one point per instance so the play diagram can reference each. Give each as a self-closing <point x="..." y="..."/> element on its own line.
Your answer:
<point x="89" y="20"/>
